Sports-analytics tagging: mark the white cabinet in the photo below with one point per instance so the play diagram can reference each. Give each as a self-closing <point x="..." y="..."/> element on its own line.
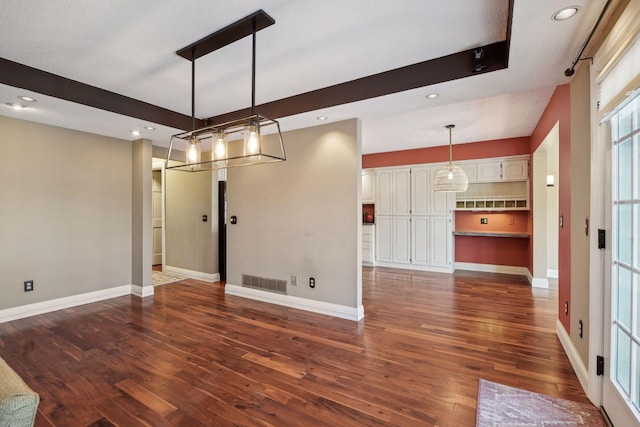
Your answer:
<point x="421" y="186"/>
<point x="471" y="169"/>
<point x="489" y="171"/>
<point x="404" y="228"/>
<point x="401" y="191"/>
<point x="384" y="192"/>
<point x="501" y="184"/>
<point x="503" y="170"/>
<point x="368" y="187"/>
<point x="515" y="170"/>
<point x="384" y="238"/>
<point x="368" y="244"/>
<point x="402" y="239"/>
<point x="441" y="241"/>
<point x="420" y="245"/>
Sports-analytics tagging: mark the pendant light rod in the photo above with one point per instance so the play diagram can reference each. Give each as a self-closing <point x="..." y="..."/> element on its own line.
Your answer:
<point x="193" y="89"/>
<point x="450" y="144"/>
<point x="253" y="68"/>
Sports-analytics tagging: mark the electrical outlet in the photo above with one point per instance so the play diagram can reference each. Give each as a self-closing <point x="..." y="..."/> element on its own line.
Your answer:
<point x="312" y="282"/>
<point x="294" y="280"/>
<point x="484" y="220"/>
<point x="28" y="285"/>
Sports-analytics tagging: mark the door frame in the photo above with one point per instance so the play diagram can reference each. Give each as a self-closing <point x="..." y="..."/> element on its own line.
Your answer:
<point x="158" y="164"/>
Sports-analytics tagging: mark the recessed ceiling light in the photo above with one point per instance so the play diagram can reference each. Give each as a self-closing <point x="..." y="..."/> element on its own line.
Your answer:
<point x="135" y="132"/>
<point x="432" y="96"/>
<point x="565" y="13"/>
<point x="27" y="98"/>
<point x="149" y="128"/>
<point x="15" y="106"/>
<point x="321" y="118"/>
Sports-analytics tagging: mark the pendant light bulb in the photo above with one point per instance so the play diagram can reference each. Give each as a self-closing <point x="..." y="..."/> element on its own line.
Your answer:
<point x="193" y="152"/>
<point x="252" y="139"/>
<point x="221" y="146"/>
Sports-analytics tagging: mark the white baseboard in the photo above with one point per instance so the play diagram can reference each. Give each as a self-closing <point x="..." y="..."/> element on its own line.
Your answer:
<point x="491" y="268"/>
<point x="142" y="291"/>
<point x="414" y="267"/>
<point x="552" y="274"/>
<point x="191" y="274"/>
<point x="321" y="307"/>
<point x="539" y="282"/>
<point x="576" y="362"/>
<point x="20" y="312"/>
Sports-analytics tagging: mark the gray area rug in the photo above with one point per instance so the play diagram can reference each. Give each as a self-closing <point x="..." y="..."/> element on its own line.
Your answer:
<point x="158" y="278"/>
<point x="504" y="406"/>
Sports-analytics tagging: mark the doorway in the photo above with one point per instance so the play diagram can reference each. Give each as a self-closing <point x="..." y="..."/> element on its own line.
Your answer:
<point x="545" y="187"/>
<point x="157" y="212"/>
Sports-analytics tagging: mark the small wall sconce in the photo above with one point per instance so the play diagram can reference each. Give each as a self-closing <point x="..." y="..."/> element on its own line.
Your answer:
<point x="550" y="180"/>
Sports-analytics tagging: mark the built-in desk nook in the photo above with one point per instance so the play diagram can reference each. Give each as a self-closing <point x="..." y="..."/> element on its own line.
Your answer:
<point x="492" y="238"/>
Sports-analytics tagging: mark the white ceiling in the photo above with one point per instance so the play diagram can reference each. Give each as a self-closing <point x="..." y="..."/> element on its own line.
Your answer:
<point x="128" y="47"/>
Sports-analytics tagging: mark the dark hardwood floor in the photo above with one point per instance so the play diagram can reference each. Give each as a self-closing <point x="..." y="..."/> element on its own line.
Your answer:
<point x="193" y="356"/>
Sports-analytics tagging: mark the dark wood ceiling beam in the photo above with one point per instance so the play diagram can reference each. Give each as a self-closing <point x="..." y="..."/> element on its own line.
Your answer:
<point x="451" y="67"/>
<point x="32" y="79"/>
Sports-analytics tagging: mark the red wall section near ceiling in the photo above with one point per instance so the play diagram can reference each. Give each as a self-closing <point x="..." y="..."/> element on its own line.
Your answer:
<point x="492" y="250"/>
<point x="468" y="151"/>
<point x="559" y="110"/>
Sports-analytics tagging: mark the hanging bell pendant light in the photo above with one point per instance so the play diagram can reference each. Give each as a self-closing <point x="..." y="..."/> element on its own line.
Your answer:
<point x="451" y="178"/>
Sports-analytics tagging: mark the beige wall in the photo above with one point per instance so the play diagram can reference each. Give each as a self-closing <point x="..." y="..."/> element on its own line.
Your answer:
<point x="580" y="203"/>
<point x="65" y="205"/>
<point x="141" y="198"/>
<point x="302" y="216"/>
<point x="191" y="244"/>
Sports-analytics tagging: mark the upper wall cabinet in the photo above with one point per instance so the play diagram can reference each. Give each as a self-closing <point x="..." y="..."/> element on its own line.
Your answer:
<point x="501" y="184"/>
<point x="515" y="170"/>
<point x="471" y="169"/>
<point x="502" y="170"/>
<point x="368" y="186"/>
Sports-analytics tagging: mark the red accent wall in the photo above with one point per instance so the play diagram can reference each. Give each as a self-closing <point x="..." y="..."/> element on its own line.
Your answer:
<point x="492" y="250"/>
<point x="504" y="222"/>
<point x="468" y="151"/>
<point x="559" y="110"/>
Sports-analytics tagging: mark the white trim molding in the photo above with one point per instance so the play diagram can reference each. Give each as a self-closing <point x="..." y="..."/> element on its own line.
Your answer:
<point x="574" y="358"/>
<point x="142" y="291"/>
<point x="191" y="274"/>
<point x="416" y="267"/>
<point x="492" y="268"/>
<point x="321" y="307"/>
<point x="552" y="274"/>
<point x="20" y="312"/>
<point x="539" y="282"/>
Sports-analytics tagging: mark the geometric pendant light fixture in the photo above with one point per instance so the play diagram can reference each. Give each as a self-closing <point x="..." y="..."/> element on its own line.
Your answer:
<point x="251" y="140"/>
<point x="451" y="178"/>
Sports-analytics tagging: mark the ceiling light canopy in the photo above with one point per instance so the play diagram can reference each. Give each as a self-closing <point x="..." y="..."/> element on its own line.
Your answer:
<point x="241" y="142"/>
<point x="432" y="96"/>
<point x="451" y="178"/>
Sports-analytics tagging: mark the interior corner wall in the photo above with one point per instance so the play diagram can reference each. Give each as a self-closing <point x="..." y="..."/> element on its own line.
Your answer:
<point x="191" y="243"/>
<point x="559" y="111"/>
<point x="580" y="206"/>
<point x="302" y="216"/>
<point x="66" y="212"/>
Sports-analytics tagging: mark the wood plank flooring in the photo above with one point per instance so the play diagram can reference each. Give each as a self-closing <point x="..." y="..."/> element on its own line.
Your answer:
<point x="193" y="356"/>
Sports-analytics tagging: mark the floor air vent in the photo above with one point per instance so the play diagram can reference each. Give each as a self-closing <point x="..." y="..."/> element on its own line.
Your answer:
<point x="264" y="284"/>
